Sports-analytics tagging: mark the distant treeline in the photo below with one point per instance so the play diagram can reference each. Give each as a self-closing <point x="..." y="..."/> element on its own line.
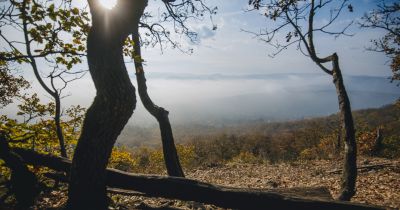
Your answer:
<point x="316" y="138"/>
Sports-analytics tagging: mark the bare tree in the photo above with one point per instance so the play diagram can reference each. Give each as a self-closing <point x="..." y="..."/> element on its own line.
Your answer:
<point x="171" y="157"/>
<point x="299" y="16"/>
<point x="386" y="17"/>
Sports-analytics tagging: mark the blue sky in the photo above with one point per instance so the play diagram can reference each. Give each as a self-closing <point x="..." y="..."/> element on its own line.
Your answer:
<point x="230" y="50"/>
<point x="230" y="76"/>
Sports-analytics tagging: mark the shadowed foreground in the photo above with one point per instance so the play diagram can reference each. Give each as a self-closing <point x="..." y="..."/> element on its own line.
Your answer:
<point x="191" y="190"/>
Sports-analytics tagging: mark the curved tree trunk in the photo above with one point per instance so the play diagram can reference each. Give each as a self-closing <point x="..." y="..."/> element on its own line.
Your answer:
<point x="349" y="175"/>
<point x="171" y="157"/>
<point x="113" y="105"/>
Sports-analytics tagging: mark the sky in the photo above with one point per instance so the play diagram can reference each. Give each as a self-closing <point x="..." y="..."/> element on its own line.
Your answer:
<point x="230" y="76"/>
<point x="230" y="50"/>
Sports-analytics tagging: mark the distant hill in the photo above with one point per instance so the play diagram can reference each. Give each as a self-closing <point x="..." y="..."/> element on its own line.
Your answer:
<point x="387" y="116"/>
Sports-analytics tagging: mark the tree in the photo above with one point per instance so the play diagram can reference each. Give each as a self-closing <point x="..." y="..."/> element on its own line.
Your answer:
<point x="39" y="127"/>
<point x="45" y="27"/>
<point x="38" y="134"/>
<point x="10" y="85"/>
<point x="299" y="16"/>
<point x="115" y="98"/>
<point x="387" y="18"/>
<point x="113" y="105"/>
<point x="171" y="158"/>
<point x="169" y="150"/>
<point x="158" y="34"/>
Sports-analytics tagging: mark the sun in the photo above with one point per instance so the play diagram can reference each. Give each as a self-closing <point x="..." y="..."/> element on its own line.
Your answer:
<point x="109" y="4"/>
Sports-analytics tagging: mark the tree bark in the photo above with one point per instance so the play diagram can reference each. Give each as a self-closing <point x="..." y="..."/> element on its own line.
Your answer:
<point x="113" y="104"/>
<point x="171" y="157"/>
<point x="192" y="190"/>
<point x="339" y="137"/>
<point x="349" y="176"/>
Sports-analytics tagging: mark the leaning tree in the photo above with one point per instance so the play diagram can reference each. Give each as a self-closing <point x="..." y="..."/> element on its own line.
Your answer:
<point x="115" y="98"/>
<point x="156" y="33"/>
<point x="299" y="17"/>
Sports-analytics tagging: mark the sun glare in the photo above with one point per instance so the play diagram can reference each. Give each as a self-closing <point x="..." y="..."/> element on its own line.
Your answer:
<point x="109" y="4"/>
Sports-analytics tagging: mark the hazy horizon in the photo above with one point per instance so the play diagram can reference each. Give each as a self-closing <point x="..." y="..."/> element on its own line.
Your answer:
<point x="214" y="99"/>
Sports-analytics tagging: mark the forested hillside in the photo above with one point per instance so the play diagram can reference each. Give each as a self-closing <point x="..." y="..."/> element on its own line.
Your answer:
<point x="367" y="122"/>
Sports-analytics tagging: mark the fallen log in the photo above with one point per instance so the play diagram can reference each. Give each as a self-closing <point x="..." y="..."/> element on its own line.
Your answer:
<point x="192" y="190"/>
<point x="62" y="178"/>
<point x="305" y="192"/>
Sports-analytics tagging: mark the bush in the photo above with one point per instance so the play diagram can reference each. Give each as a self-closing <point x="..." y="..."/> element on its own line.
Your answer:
<point x="366" y="142"/>
<point x="246" y="157"/>
<point x="309" y="154"/>
<point x="121" y="159"/>
<point x="186" y="155"/>
<point x="217" y="150"/>
<point x="391" y="147"/>
<point x="149" y="160"/>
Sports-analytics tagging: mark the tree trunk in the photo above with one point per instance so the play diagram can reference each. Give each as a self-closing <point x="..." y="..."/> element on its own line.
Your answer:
<point x="192" y="190"/>
<point x="339" y="137"/>
<point x="59" y="129"/>
<point x="24" y="184"/>
<point x="171" y="157"/>
<point x="113" y="105"/>
<point x="349" y="176"/>
<point x="378" y="142"/>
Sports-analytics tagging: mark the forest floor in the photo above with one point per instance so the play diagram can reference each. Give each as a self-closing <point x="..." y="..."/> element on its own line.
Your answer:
<point x="379" y="186"/>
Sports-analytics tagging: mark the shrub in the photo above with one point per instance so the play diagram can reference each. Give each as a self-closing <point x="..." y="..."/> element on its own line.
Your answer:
<point x="121" y="159"/>
<point x="327" y="147"/>
<point x="246" y="157"/>
<point x="186" y="155"/>
<point x="308" y="154"/>
<point x="391" y="147"/>
<point x="148" y="160"/>
<point x="366" y="142"/>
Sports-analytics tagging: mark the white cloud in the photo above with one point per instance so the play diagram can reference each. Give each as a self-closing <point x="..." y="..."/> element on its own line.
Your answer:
<point x="205" y="32"/>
